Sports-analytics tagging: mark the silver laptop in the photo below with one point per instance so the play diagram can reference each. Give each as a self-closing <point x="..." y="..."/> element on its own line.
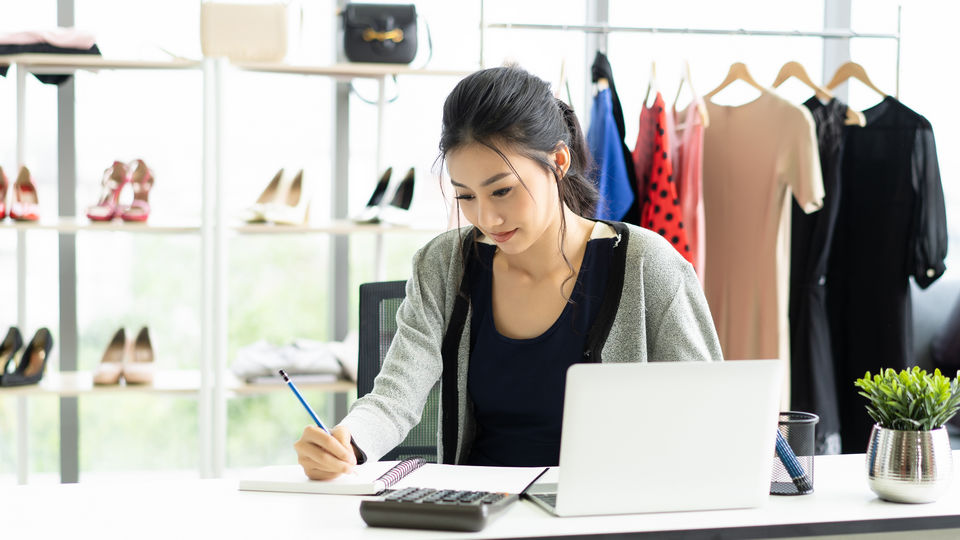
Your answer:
<point x="664" y="436"/>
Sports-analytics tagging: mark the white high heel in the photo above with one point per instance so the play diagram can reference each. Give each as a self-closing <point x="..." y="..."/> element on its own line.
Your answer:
<point x="255" y="212"/>
<point x="293" y="208"/>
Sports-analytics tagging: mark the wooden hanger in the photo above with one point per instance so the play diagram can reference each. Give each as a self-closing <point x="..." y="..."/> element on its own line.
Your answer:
<point x="845" y="72"/>
<point x="795" y="69"/>
<point x="652" y="83"/>
<point x="562" y="81"/>
<point x="855" y="70"/>
<point x="738" y="71"/>
<point x="698" y="103"/>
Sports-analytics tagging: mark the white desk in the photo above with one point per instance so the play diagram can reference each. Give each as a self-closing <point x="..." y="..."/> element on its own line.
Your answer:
<point x="842" y="504"/>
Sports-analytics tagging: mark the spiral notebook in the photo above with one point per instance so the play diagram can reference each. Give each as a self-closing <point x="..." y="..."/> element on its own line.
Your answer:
<point x="373" y="478"/>
<point x="367" y="479"/>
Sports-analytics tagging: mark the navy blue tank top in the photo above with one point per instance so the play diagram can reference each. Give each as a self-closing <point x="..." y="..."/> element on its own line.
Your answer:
<point x="517" y="385"/>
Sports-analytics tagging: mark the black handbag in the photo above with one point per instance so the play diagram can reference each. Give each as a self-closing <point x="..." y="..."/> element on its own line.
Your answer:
<point x="380" y="33"/>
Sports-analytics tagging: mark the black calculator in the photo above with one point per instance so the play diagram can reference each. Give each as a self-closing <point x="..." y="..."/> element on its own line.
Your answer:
<point x="442" y="509"/>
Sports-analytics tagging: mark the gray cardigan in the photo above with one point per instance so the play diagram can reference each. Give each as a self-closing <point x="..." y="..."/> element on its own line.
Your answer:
<point x="662" y="316"/>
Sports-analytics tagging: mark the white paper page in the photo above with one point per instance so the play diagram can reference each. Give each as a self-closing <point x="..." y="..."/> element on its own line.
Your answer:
<point x="290" y="478"/>
<point x="464" y="477"/>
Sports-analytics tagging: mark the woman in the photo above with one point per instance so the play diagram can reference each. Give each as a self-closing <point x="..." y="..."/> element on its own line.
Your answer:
<point x="499" y="311"/>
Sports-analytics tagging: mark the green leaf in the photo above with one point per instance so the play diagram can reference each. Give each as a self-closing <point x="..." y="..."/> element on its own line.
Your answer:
<point x="910" y="399"/>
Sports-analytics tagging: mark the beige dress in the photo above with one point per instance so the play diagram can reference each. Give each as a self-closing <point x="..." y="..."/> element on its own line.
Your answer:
<point x="755" y="157"/>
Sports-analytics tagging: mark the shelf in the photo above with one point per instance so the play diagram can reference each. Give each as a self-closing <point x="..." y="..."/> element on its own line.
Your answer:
<point x="81" y="382"/>
<point x="58" y="63"/>
<point x="76" y="224"/>
<point x="185" y="382"/>
<point x="348" y="70"/>
<point x="336" y="227"/>
<point x="192" y="226"/>
<point x="238" y="387"/>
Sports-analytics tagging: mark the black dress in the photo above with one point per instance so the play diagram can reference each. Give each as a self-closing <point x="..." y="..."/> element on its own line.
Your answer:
<point x="891" y="225"/>
<point x="812" y="383"/>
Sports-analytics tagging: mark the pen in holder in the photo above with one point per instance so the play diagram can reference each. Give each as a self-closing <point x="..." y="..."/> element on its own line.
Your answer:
<point x="793" y="464"/>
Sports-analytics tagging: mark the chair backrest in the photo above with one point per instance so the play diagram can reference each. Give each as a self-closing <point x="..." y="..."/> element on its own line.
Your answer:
<point x="379" y="303"/>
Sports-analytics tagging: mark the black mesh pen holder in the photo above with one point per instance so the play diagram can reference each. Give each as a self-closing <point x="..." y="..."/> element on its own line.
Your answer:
<point x="793" y="458"/>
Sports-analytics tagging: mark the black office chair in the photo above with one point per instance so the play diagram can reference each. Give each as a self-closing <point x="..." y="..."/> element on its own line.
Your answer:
<point x="379" y="303"/>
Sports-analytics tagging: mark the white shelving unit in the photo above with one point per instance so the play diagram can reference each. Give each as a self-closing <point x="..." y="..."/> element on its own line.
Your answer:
<point x="212" y="383"/>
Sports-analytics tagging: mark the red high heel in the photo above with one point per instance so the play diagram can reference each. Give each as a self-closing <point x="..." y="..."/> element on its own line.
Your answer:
<point x="4" y="184"/>
<point x="107" y="208"/>
<point x="142" y="182"/>
<point x="25" y="205"/>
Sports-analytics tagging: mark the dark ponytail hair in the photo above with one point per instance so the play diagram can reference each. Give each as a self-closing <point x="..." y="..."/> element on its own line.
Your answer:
<point x="509" y="108"/>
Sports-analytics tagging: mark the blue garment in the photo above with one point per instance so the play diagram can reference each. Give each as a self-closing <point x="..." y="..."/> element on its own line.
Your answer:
<point x="517" y="385"/>
<point x="605" y="144"/>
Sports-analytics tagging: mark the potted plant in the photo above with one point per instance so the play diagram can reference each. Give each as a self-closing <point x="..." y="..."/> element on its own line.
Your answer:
<point x="908" y="456"/>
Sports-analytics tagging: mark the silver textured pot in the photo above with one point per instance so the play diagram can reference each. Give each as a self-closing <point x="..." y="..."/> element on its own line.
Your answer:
<point x="909" y="466"/>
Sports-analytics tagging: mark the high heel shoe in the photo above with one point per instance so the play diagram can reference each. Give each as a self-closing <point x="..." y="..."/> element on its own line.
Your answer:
<point x="294" y="207"/>
<point x="372" y="210"/>
<point x="33" y="361"/>
<point x="25" y="205"/>
<point x="139" y="368"/>
<point x="142" y="181"/>
<point x="255" y="213"/>
<point x="107" y="208"/>
<point x="111" y="365"/>
<point x="8" y="350"/>
<point x="396" y="212"/>
<point x="4" y="184"/>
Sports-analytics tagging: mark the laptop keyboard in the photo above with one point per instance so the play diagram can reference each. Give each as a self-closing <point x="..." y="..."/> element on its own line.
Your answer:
<point x="549" y="498"/>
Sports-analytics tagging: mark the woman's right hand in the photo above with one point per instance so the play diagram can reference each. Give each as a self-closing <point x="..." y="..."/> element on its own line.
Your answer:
<point x="325" y="456"/>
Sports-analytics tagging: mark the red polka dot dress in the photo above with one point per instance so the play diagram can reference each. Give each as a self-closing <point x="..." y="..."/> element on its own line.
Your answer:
<point x="661" y="207"/>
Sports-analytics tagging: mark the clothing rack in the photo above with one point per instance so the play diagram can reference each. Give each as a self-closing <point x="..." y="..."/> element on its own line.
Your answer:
<point x="606" y="29"/>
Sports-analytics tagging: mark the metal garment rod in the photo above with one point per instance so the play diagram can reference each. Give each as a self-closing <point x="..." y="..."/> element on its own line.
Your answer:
<point x="607" y="29"/>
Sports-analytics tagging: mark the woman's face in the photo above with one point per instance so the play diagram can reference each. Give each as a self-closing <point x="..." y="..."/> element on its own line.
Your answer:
<point x="493" y="199"/>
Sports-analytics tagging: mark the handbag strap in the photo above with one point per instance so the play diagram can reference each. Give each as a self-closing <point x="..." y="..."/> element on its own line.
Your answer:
<point x="396" y="83"/>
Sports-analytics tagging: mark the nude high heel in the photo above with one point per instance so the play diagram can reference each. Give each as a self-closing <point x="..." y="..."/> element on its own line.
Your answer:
<point x="140" y="366"/>
<point x="111" y="365"/>
<point x="255" y="213"/>
<point x="293" y="208"/>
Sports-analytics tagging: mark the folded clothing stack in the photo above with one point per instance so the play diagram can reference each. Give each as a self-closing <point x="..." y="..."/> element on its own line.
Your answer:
<point x="56" y="41"/>
<point x="307" y="360"/>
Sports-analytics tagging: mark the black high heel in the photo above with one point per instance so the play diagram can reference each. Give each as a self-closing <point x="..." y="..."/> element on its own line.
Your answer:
<point x="8" y="350"/>
<point x="370" y="212"/>
<point x="396" y="213"/>
<point x="33" y="361"/>
<point x="404" y="194"/>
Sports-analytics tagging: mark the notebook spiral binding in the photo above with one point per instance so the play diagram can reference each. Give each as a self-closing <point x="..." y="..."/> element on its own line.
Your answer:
<point x="400" y="470"/>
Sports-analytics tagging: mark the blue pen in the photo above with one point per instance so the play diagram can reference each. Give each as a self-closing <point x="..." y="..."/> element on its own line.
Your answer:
<point x="792" y="464"/>
<point x="296" y="392"/>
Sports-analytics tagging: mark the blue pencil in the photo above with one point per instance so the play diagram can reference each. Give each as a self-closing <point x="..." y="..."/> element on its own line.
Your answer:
<point x="296" y="392"/>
